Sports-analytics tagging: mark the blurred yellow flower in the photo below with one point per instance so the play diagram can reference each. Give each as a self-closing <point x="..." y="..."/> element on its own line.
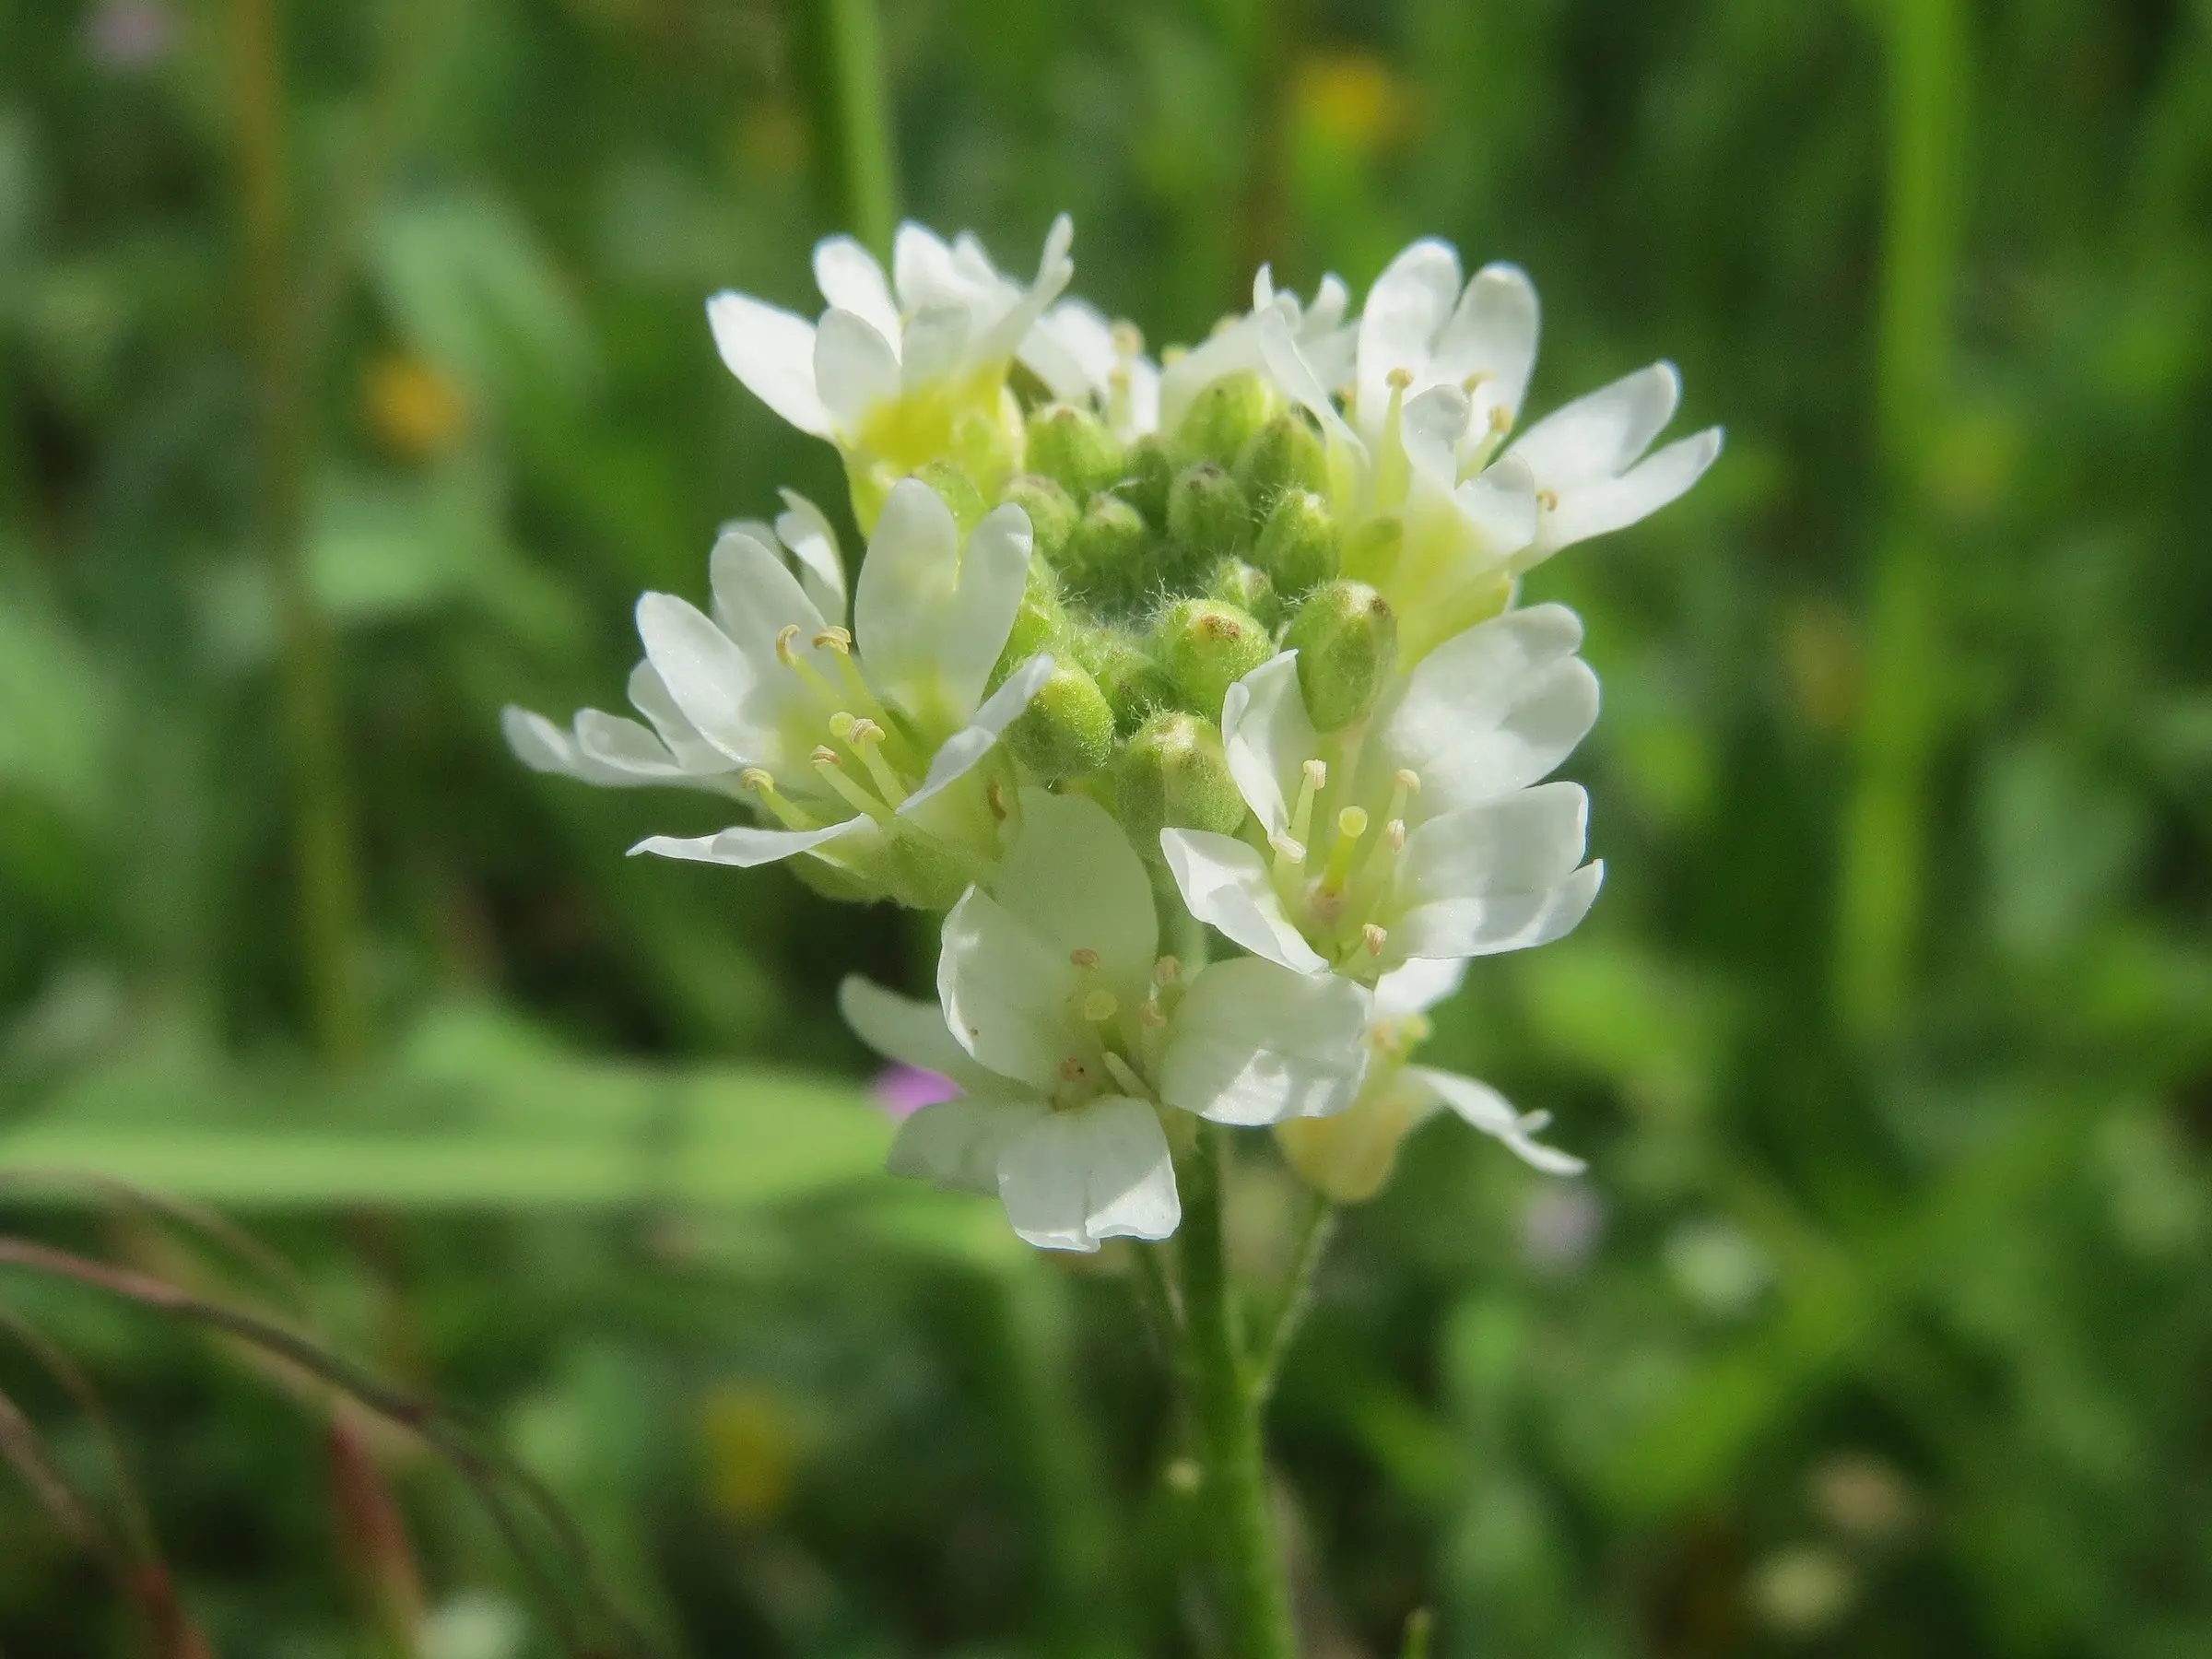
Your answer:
<point x="1353" y="98"/>
<point x="415" y="410"/>
<point x="749" y="1442"/>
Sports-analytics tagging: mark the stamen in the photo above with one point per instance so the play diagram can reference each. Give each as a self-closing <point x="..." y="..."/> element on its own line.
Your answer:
<point x="1084" y="957"/>
<point x="1351" y="824"/>
<point x="842" y="724"/>
<point x="1374" y="938"/>
<point x="867" y="743"/>
<point x="1099" y="1006"/>
<point x="1393" y="470"/>
<point x="1167" y="970"/>
<point x="1501" y="418"/>
<point x="799" y="665"/>
<point x="1128" y="339"/>
<point x="1399" y="379"/>
<point x="839" y="639"/>
<point x="995" y="795"/>
<point x="1148" y="1014"/>
<point x="1313" y="778"/>
<point x="763" y="783"/>
<point x="784" y="636"/>
<point x="1118" y="1069"/>
<point x="1475" y="380"/>
<point x="1073" y="1070"/>
<point x="1289" y="855"/>
<point x="1549" y="499"/>
<point x="831" y="771"/>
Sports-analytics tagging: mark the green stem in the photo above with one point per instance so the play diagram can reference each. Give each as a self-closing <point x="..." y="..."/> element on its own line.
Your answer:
<point x="860" y="119"/>
<point x="329" y="886"/>
<point x="1316" y="1227"/>
<point x="1227" y="1411"/>
<point x="1885" y="833"/>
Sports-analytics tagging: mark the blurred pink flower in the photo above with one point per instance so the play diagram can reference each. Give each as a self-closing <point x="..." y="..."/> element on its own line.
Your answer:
<point x="130" y="35"/>
<point x="902" y="1090"/>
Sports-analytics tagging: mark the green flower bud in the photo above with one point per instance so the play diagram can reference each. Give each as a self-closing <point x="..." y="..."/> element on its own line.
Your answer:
<point x="1298" y="545"/>
<point x="1372" y="551"/>
<point x="1134" y="687"/>
<point x="1238" y="584"/>
<point x="1066" y="730"/>
<point x="1074" y="447"/>
<point x="1105" y="560"/>
<point x="1039" y="623"/>
<point x="1285" y="453"/>
<point x="1147" y="477"/>
<point x="1225" y="416"/>
<point x="957" y="491"/>
<point x="1208" y="517"/>
<point x="1206" y="647"/>
<point x="1053" y="511"/>
<point x="1175" y="776"/>
<point x="1347" y="638"/>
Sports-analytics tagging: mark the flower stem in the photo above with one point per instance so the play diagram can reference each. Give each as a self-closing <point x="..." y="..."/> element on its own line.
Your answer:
<point x="860" y="119"/>
<point x="1228" y="1406"/>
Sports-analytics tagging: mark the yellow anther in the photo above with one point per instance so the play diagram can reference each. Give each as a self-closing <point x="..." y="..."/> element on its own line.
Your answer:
<point x="1073" y="1070"/>
<point x="1374" y="937"/>
<point x="1128" y="339"/>
<point x="784" y="636"/>
<point x="1316" y="774"/>
<point x="1408" y="780"/>
<point x="842" y="724"/>
<point x="995" y="795"/>
<point x="1399" y="379"/>
<point x="1167" y="970"/>
<point x="1149" y="1015"/>
<point x="1292" y="852"/>
<point x="1101" y="1006"/>
<point x="861" y="731"/>
<point x="1501" y="417"/>
<point x="1084" y="957"/>
<point x="757" y="778"/>
<point x="1352" y="822"/>
<point x="824" y="755"/>
<point x="839" y="639"/>
<point x="1394" y="835"/>
<point x="1549" y="499"/>
<point x="1171" y="355"/>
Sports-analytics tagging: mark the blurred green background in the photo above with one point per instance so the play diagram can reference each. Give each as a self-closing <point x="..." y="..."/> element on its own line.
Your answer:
<point x="353" y="384"/>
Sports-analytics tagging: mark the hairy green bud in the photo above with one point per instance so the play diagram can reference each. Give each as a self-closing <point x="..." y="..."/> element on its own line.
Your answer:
<point x="1235" y="582"/>
<point x="957" y="491"/>
<point x="1298" y="546"/>
<point x="1285" y="453"/>
<point x="1053" y="512"/>
<point x="1225" y="416"/>
<point x="1347" y="638"/>
<point x="1372" y="551"/>
<point x="1104" y="560"/>
<point x="1040" y="622"/>
<point x="1066" y="730"/>
<point x="1145" y="478"/>
<point x="1134" y="687"/>
<point x="1206" y="647"/>
<point x="1175" y="776"/>
<point x="1076" y="449"/>
<point x="1208" y="517"/>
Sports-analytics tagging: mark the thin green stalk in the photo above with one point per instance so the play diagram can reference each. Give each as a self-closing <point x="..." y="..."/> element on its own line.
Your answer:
<point x="1227" y="1409"/>
<point x="1885" y="836"/>
<point x="868" y="172"/>
<point x="1316" y="1227"/>
<point x="328" y="880"/>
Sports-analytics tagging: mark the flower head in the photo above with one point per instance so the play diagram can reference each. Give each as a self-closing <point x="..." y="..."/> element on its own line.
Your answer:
<point x="1425" y="832"/>
<point x="1069" y="1034"/>
<point x="860" y="744"/>
<point x="904" y="371"/>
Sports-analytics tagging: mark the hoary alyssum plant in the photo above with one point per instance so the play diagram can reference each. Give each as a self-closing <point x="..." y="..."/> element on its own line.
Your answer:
<point x="1195" y="693"/>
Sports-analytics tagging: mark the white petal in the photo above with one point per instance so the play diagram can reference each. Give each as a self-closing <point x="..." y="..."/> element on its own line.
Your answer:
<point x="1526" y="842"/>
<point x="855" y="367"/>
<point x="1501" y="503"/>
<point x="651" y="699"/>
<point x="958" y="754"/>
<point x="1100" y="1171"/>
<point x="1493" y="334"/>
<point x="907" y="581"/>
<point x="1608" y="504"/>
<point x="993" y="572"/>
<point x="923" y="268"/>
<point x="957" y="1144"/>
<point x="1071" y="350"/>
<point x="1236" y="347"/>
<point x="1600" y="435"/>
<point x="715" y="686"/>
<point x="773" y="352"/>
<point x="627" y="752"/>
<point x="1004" y="993"/>
<point x="1055" y="270"/>
<point x="1490" y="1112"/>
<point x="935" y="343"/>
<point x="1295" y="373"/>
<point x="1268" y="737"/>
<point x="756" y="597"/>
<point x="1492" y="710"/>
<point x="851" y="280"/>
<point x="1224" y="883"/>
<point x="911" y="1030"/>
<point x="1467" y="927"/>
<point x="747" y="847"/>
<point x="1429" y="429"/>
<point x="538" y="744"/>
<point x="806" y="530"/>
<point x="1072" y="879"/>
<point x="1254" y="1042"/>
<point x="1405" y="311"/>
<point x="1418" y="987"/>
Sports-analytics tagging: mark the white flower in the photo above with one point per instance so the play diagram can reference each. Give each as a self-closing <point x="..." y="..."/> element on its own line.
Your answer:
<point x="1424" y="832"/>
<point x="901" y="372"/>
<point x="1349" y="1157"/>
<point x="1081" y="357"/>
<point x="1317" y="335"/>
<point x="1067" y="1032"/>
<point x="860" y="743"/>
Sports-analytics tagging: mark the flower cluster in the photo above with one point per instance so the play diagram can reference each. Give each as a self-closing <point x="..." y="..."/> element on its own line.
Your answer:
<point x="1221" y="647"/>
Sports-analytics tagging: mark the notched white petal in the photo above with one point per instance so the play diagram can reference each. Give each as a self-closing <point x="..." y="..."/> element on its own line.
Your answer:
<point x="956" y="1144"/>
<point x="1268" y="739"/>
<point x="771" y="350"/>
<point x="1483" y="1106"/>
<point x="1224" y="883"/>
<point x="1254" y="1042"/>
<point x="1074" y="1178"/>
